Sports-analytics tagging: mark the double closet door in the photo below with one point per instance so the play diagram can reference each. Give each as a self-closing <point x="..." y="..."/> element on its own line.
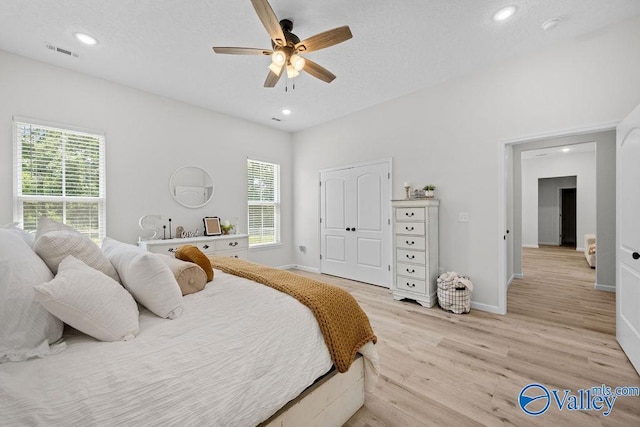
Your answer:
<point x="355" y="223"/>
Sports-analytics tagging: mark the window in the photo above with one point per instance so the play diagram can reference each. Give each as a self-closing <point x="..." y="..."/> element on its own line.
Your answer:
<point x="59" y="173"/>
<point x="263" y="193"/>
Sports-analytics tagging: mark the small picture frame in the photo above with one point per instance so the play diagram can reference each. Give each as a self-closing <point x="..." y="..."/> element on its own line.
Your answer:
<point x="212" y="226"/>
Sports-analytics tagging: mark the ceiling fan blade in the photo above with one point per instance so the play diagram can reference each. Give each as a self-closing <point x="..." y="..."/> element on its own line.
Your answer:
<point x="318" y="71"/>
<point x="242" y="51"/>
<point x="270" y="21"/>
<point x="272" y="78"/>
<point x="324" y="39"/>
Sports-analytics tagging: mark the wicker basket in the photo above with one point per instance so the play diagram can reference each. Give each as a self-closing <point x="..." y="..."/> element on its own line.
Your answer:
<point x="454" y="296"/>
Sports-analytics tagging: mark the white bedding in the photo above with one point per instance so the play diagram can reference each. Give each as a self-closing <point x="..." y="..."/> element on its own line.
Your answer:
<point x="239" y="352"/>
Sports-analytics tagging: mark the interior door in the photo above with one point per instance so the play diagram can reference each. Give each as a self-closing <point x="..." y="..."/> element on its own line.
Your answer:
<point x="568" y="220"/>
<point x="355" y="223"/>
<point x="628" y="237"/>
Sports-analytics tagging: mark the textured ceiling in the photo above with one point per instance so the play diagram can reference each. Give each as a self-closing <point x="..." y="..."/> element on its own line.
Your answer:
<point x="398" y="47"/>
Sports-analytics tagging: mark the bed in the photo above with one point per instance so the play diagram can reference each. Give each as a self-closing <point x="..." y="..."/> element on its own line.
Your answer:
<point x="241" y="353"/>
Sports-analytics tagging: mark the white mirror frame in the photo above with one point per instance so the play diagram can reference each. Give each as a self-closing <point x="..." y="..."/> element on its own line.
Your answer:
<point x="195" y="182"/>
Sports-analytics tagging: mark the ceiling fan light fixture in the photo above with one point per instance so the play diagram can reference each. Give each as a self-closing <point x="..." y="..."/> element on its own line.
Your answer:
<point x="297" y="61"/>
<point x="275" y="69"/>
<point x="292" y="72"/>
<point x="278" y="57"/>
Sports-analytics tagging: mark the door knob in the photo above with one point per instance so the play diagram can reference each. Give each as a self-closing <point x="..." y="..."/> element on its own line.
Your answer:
<point x="348" y="229"/>
<point x="353" y="229"/>
<point x="635" y="255"/>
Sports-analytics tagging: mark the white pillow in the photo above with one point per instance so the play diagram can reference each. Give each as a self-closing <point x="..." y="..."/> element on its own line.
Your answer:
<point x="90" y="301"/>
<point x="148" y="279"/>
<point x="26" y="328"/>
<point x="54" y="241"/>
<point x="29" y="238"/>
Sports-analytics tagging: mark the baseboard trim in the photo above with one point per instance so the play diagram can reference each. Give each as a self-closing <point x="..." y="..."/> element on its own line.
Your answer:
<point x="287" y="267"/>
<point x="606" y="288"/>
<point x="305" y="268"/>
<point x="486" y="307"/>
<point x="524" y="245"/>
<point x="513" y="277"/>
<point x="579" y="249"/>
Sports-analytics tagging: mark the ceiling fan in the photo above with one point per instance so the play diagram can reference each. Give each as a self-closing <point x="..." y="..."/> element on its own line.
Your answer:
<point x="287" y="47"/>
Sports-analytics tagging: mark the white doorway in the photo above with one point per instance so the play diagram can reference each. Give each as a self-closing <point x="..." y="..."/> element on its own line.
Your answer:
<point x="511" y="207"/>
<point x="355" y="222"/>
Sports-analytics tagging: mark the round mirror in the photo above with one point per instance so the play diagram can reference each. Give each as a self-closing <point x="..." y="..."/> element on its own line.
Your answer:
<point x="191" y="186"/>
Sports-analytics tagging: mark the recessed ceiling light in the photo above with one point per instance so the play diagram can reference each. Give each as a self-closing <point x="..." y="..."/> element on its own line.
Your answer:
<point x="86" y="38"/>
<point x="286" y="111"/>
<point x="566" y="150"/>
<point x="505" y="13"/>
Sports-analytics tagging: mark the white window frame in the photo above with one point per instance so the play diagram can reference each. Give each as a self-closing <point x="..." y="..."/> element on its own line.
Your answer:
<point x="19" y="198"/>
<point x="275" y="203"/>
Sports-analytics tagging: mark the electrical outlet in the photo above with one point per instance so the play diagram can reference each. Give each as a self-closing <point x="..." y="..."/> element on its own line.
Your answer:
<point x="463" y="217"/>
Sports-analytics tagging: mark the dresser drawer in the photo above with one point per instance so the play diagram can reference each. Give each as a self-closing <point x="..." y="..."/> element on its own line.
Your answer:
<point x="237" y="253"/>
<point x="411" y="270"/>
<point x="410" y="228"/>
<point x="412" y="285"/>
<point x="410" y="214"/>
<point x="416" y="257"/>
<point x="231" y="244"/>
<point x="410" y="242"/>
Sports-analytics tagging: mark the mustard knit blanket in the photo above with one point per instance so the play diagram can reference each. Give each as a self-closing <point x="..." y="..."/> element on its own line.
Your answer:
<point x="344" y="326"/>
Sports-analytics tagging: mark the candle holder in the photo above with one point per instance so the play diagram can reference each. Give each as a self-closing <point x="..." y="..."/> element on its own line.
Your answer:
<point x="406" y="192"/>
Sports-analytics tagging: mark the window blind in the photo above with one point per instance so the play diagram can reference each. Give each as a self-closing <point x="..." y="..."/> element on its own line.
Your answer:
<point x="59" y="173"/>
<point x="263" y="193"/>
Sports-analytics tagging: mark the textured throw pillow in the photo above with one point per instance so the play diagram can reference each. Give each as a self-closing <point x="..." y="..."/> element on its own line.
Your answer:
<point x="146" y="277"/>
<point x="190" y="277"/>
<point x="55" y="241"/>
<point x="26" y="328"/>
<point x="193" y="254"/>
<point x="29" y="238"/>
<point x="90" y="301"/>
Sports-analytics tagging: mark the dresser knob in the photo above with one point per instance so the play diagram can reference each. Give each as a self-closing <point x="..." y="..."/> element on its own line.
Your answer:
<point x="171" y="250"/>
<point x="409" y="228"/>
<point x="410" y="242"/>
<point x="411" y="285"/>
<point x="411" y="256"/>
<point x="408" y="213"/>
<point x="348" y="229"/>
<point x="410" y="271"/>
<point x="233" y="244"/>
<point x="205" y="247"/>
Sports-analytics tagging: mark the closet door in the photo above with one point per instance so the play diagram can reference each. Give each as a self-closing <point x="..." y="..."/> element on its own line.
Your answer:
<point x="355" y="233"/>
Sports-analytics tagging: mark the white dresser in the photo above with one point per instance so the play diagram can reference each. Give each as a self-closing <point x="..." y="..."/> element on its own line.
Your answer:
<point x="234" y="245"/>
<point x="415" y="250"/>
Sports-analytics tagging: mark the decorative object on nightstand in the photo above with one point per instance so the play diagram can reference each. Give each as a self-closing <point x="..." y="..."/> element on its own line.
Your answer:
<point x="212" y="226"/>
<point x="415" y="250"/>
<point x="428" y="191"/>
<point x="407" y="189"/>
<point x="151" y="223"/>
<point x="179" y="232"/>
<point x="227" y="227"/>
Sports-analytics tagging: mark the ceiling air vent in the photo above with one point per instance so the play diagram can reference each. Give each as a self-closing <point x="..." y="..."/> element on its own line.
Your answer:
<point x="276" y="119"/>
<point x="61" y="50"/>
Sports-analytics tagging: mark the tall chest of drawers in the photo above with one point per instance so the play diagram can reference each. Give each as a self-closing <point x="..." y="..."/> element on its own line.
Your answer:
<point x="415" y="250"/>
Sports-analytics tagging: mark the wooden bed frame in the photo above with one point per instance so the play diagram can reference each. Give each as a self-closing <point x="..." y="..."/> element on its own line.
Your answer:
<point x="331" y="401"/>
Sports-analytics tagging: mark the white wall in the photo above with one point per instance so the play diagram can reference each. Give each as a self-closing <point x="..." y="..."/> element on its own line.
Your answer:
<point x="583" y="166"/>
<point x="450" y="135"/>
<point x="147" y="138"/>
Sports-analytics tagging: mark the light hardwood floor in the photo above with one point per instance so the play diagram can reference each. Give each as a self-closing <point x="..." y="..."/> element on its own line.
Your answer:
<point x="438" y="368"/>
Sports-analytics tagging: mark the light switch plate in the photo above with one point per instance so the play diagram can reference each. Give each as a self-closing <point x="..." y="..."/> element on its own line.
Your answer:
<point x="463" y="217"/>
